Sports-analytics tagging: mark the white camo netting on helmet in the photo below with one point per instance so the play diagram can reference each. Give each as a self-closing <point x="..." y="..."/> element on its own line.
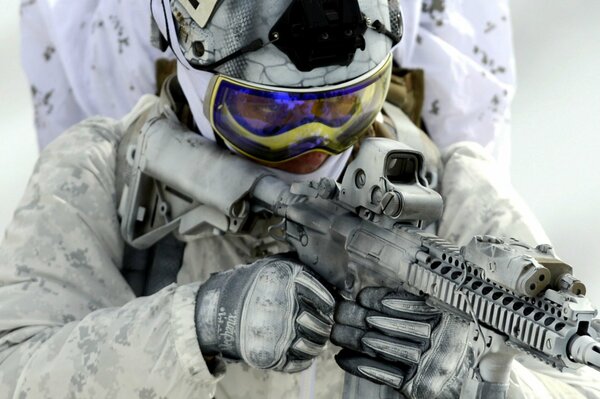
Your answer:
<point x="236" y="23"/>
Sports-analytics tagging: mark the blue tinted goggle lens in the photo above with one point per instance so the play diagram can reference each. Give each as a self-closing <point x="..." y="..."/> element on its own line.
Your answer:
<point x="274" y="125"/>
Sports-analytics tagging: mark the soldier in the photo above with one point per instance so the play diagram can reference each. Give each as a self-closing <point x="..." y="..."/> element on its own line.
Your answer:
<point x="71" y="325"/>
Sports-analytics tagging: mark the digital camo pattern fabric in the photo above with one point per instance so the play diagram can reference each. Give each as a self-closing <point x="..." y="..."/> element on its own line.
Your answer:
<point x="237" y="23"/>
<point x="70" y="326"/>
<point x="479" y="199"/>
<point x="71" y="49"/>
<point x="85" y="58"/>
<point x="466" y="51"/>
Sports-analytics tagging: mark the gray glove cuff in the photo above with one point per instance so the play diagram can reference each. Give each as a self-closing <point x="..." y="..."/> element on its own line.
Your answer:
<point x="218" y="306"/>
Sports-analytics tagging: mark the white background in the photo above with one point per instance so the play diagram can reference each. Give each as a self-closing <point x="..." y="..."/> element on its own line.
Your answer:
<point x="556" y="124"/>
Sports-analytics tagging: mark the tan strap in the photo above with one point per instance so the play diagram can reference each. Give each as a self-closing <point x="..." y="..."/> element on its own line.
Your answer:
<point x="407" y="92"/>
<point x="163" y="69"/>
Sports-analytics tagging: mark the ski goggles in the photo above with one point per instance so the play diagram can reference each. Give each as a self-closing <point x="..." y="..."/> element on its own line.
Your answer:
<point x="274" y="125"/>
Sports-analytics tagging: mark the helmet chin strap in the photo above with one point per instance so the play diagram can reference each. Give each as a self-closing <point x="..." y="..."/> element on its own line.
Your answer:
<point x="163" y="16"/>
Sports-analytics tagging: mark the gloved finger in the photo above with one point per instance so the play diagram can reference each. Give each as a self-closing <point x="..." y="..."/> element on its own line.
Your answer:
<point x="304" y="349"/>
<point x="379" y="345"/>
<point x="375" y="370"/>
<point x="393" y="349"/>
<point x="313" y="326"/>
<point x="396" y="303"/>
<point x="351" y="314"/>
<point x="311" y="290"/>
<point x="414" y="330"/>
<point x="295" y="366"/>
<point x="348" y="337"/>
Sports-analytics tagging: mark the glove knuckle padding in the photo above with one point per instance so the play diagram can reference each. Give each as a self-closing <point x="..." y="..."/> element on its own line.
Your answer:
<point x="254" y="313"/>
<point x="266" y="324"/>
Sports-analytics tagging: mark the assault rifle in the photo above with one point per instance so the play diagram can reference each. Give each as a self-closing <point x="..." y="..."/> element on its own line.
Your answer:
<point x="367" y="231"/>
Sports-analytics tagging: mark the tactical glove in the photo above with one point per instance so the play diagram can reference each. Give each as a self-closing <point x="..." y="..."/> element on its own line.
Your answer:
<point x="395" y="338"/>
<point x="272" y="314"/>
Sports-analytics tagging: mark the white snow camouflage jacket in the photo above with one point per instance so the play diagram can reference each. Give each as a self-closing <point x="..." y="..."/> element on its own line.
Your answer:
<point x="70" y="326"/>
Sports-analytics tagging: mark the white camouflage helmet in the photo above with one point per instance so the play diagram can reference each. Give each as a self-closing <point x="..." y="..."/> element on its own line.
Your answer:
<point x="210" y="31"/>
<point x="280" y="79"/>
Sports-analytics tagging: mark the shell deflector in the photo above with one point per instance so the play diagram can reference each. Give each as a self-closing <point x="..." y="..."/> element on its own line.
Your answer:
<point x="317" y="34"/>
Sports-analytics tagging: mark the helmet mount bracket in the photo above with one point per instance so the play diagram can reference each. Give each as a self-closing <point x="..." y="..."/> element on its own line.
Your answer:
<point x="320" y="33"/>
